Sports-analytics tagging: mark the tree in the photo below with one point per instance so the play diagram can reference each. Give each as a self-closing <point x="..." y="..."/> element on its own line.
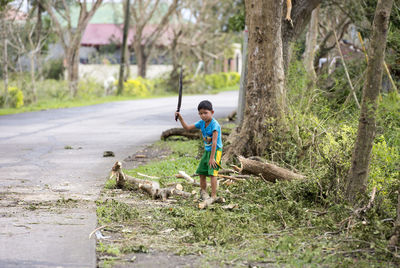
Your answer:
<point x="70" y="37"/>
<point x="143" y="43"/>
<point x="124" y="48"/>
<point x="265" y="94"/>
<point x="300" y="14"/>
<point x="358" y="174"/>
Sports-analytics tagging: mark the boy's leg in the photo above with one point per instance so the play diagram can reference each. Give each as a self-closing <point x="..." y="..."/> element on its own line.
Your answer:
<point x="203" y="187"/>
<point x="214" y="185"/>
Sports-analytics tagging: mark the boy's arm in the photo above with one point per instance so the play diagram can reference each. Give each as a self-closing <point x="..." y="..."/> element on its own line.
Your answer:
<point x="183" y="123"/>
<point x="212" y="163"/>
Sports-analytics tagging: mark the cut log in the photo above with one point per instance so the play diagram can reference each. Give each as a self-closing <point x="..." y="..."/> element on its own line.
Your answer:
<point x="150" y="187"/>
<point x="269" y="172"/>
<point x="191" y="134"/>
<point x="209" y="201"/>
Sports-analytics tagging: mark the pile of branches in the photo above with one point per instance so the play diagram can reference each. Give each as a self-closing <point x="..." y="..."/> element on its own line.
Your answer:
<point x="249" y="168"/>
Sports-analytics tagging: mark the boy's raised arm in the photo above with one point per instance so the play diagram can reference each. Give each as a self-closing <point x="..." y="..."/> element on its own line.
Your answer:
<point x="183" y="123"/>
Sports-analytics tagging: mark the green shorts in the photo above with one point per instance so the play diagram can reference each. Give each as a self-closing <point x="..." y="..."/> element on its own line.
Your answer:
<point x="204" y="168"/>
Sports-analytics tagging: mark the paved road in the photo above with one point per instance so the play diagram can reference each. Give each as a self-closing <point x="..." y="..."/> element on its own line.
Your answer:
<point x="47" y="192"/>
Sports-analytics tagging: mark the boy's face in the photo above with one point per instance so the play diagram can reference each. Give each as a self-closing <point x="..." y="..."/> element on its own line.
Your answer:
<point x="206" y="115"/>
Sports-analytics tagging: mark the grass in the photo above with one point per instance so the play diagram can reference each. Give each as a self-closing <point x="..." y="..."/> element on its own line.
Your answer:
<point x="78" y="102"/>
<point x="285" y="224"/>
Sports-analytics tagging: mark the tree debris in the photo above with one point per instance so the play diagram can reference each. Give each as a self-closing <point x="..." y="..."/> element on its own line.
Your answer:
<point x="150" y="187"/>
<point x="268" y="171"/>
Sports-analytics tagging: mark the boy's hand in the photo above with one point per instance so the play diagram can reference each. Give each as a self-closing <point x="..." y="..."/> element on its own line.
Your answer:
<point x="213" y="164"/>
<point x="178" y="115"/>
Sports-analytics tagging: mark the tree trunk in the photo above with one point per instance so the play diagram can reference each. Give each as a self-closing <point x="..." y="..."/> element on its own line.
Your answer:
<point x="265" y="94"/>
<point x="141" y="59"/>
<point x="123" y="48"/>
<point x="243" y="80"/>
<point x="72" y="58"/>
<point x="33" y="79"/>
<point x="311" y="43"/>
<point x="358" y="174"/>
<point x="301" y="14"/>
<point x="5" y="67"/>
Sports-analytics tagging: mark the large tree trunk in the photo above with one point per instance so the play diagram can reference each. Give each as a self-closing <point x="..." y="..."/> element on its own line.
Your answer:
<point x="265" y="94"/>
<point x="311" y="43"/>
<point x="301" y="14"/>
<point x="358" y="174"/>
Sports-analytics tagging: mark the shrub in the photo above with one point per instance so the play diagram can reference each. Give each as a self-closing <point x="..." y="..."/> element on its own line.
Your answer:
<point x="53" y="69"/>
<point x="135" y="87"/>
<point x="16" y="97"/>
<point x="234" y="78"/>
<point x="89" y="87"/>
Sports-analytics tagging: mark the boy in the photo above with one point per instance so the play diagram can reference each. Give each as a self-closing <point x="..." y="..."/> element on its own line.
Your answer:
<point x="210" y="161"/>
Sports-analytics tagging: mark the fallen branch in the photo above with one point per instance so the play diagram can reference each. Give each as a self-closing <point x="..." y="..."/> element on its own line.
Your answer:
<point x="190" y="180"/>
<point x="191" y="134"/>
<point x="150" y="187"/>
<point x="269" y="172"/>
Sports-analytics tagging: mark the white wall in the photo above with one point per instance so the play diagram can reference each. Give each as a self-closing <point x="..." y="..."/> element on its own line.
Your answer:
<point x="101" y="72"/>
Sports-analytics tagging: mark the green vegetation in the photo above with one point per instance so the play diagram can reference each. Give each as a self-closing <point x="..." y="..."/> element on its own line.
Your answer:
<point x="297" y="224"/>
<point x="54" y="94"/>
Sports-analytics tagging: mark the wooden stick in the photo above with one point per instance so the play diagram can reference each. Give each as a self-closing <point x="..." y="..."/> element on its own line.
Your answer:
<point x="99" y="228"/>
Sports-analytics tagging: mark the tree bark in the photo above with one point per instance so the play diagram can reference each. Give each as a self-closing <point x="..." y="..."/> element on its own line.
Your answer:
<point x="311" y="44"/>
<point x="301" y="14"/>
<point x="358" y="174"/>
<point x="265" y="94"/>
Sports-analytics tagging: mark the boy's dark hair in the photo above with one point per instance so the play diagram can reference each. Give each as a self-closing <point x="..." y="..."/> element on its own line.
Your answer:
<point x="206" y="105"/>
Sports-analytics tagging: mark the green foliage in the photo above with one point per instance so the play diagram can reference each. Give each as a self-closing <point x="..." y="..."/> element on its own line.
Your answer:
<point x="15" y="97"/>
<point x="89" y="88"/>
<point x="109" y="211"/>
<point x="221" y="80"/>
<point x="53" y="69"/>
<point x="236" y="22"/>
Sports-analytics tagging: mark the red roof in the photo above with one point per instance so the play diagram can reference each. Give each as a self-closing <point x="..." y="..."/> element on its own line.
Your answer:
<point x="104" y="34"/>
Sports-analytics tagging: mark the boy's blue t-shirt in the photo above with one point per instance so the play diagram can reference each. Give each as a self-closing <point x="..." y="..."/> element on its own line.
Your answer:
<point x="207" y="133"/>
